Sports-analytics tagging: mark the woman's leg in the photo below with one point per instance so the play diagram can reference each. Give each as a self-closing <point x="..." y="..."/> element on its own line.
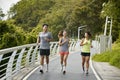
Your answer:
<point x="83" y="62"/>
<point x="87" y="58"/>
<point x="65" y="63"/>
<point x="65" y="59"/>
<point x="61" y="60"/>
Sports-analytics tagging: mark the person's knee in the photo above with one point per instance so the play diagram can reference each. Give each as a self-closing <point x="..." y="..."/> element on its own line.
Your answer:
<point x="87" y="61"/>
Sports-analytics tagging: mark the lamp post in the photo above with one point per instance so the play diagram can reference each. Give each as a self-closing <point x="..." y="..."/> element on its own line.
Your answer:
<point x="79" y="29"/>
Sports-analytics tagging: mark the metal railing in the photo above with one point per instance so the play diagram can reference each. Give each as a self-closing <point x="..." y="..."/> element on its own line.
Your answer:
<point x="103" y="43"/>
<point x="12" y="60"/>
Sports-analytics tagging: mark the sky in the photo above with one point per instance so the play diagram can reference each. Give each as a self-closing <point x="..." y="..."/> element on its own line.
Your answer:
<point x="6" y="4"/>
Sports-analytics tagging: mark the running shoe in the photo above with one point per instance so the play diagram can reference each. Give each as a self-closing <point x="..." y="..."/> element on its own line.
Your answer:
<point x="64" y="72"/>
<point x="41" y="71"/>
<point x="87" y="72"/>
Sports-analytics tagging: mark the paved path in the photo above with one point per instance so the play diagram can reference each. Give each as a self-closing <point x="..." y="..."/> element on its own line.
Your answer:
<point x="107" y="71"/>
<point x="74" y="70"/>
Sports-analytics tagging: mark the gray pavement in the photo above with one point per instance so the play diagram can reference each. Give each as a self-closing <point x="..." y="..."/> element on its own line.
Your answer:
<point x="74" y="70"/>
<point x="106" y="71"/>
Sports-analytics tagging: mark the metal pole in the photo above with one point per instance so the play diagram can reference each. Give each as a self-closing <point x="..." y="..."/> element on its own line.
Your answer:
<point x="80" y="28"/>
<point x="110" y="28"/>
<point x="78" y="33"/>
<point x="105" y="30"/>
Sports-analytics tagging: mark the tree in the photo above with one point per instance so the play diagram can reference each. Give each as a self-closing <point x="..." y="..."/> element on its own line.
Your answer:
<point x="11" y="35"/>
<point x="1" y="14"/>
<point x="27" y="13"/>
<point x="111" y="8"/>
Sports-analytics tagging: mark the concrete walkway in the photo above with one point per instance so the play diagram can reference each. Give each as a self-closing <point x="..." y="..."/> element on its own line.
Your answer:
<point x="74" y="70"/>
<point x="106" y="71"/>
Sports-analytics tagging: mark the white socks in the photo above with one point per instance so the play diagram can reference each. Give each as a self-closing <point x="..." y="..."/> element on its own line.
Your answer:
<point x="47" y="68"/>
<point x="64" y="68"/>
<point x="41" y="67"/>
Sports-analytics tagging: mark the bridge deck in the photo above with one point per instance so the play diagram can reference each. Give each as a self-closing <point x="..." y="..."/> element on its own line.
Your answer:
<point x="74" y="70"/>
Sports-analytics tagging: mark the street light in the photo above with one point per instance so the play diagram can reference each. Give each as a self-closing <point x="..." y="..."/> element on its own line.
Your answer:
<point x="79" y="29"/>
<point x="106" y="24"/>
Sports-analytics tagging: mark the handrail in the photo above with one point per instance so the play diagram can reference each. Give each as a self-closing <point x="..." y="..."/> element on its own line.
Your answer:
<point x="12" y="60"/>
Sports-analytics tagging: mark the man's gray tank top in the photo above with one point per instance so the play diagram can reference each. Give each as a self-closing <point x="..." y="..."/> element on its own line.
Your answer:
<point x="65" y="46"/>
<point x="43" y="43"/>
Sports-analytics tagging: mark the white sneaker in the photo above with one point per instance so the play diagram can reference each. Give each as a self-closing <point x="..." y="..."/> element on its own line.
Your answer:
<point x="64" y="70"/>
<point x="61" y="67"/>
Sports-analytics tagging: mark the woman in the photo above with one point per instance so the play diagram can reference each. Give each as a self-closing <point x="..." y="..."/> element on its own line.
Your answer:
<point x="85" y="53"/>
<point x="44" y="39"/>
<point x="64" y="50"/>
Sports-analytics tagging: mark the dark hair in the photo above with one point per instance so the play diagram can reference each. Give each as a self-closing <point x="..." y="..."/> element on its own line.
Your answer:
<point x="89" y="34"/>
<point x="60" y="34"/>
<point x="45" y="25"/>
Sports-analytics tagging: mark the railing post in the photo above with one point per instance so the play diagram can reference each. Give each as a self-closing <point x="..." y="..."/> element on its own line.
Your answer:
<point x="18" y="65"/>
<point x="1" y="57"/>
<point x="28" y="56"/>
<point x="54" y="49"/>
<point x="34" y="54"/>
<point x="74" y="43"/>
<point x="9" y="66"/>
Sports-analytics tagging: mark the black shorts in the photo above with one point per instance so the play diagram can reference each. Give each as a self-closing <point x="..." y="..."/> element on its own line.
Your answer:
<point x="85" y="54"/>
<point x="44" y="52"/>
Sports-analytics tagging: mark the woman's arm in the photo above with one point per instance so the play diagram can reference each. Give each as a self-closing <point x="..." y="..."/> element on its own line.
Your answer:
<point x="81" y="43"/>
<point x="91" y="44"/>
<point x="60" y="41"/>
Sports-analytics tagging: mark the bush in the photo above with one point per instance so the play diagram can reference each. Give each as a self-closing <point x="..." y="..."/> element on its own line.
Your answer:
<point x="11" y="35"/>
<point x="8" y="40"/>
<point x="115" y="60"/>
<point x="103" y="57"/>
<point x="113" y="57"/>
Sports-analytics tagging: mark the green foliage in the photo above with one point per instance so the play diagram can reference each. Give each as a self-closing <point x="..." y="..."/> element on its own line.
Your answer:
<point x="111" y="8"/>
<point x="65" y="16"/>
<point x="1" y="14"/>
<point x="116" y="59"/>
<point x="58" y="14"/>
<point x="10" y="35"/>
<point x="27" y="13"/>
<point x="103" y="57"/>
<point x="31" y="39"/>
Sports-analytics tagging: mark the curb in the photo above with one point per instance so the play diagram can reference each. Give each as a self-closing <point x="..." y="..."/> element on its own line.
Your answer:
<point x="97" y="75"/>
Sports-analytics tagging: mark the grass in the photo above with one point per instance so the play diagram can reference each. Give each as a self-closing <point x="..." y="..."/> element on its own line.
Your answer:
<point x="113" y="57"/>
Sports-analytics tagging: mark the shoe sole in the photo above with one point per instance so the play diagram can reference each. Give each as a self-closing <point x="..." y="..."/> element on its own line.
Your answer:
<point x="64" y="72"/>
<point x="41" y="71"/>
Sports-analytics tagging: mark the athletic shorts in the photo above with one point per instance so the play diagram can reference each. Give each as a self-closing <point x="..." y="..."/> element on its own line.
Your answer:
<point x="85" y="54"/>
<point x="44" y="52"/>
<point x="64" y="53"/>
